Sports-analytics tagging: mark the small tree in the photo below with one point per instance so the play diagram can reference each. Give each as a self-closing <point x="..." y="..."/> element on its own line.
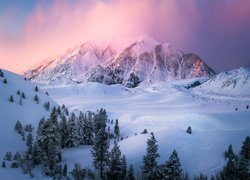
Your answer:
<point x="117" y="129"/>
<point x="78" y="173"/>
<point x="11" y="99"/>
<point x="8" y="156"/>
<point x="145" y="131"/>
<point x="36" y="99"/>
<point x="3" y="164"/>
<point x="1" y="73"/>
<point x="18" y="92"/>
<point x="23" y="95"/>
<point x="18" y="127"/>
<point x="149" y="160"/>
<point x="131" y="175"/>
<point x="36" y="89"/>
<point x="189" y="130"/>
<point x="65" y="170"/>
<point x="5" y="81"/>
<point x="20" y="102"/>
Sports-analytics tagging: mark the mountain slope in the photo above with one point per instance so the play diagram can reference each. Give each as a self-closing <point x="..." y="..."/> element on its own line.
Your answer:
<point x="143" y="60"/>
<point x="230" y="83"/>
<point x="27" y="112"/>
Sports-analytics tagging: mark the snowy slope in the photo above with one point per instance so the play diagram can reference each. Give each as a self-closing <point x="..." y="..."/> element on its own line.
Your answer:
<point x="10" y="112"/>
<point x="143" y="60"/>
<point x="231" y="83"/>
<point x="166" y="109"/>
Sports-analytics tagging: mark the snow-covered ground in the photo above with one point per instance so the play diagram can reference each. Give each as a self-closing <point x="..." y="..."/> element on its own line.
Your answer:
<point x="167" y="110"/>
<point x="29" y="112"/>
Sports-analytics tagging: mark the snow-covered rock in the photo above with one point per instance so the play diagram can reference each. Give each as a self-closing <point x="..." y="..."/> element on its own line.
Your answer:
<point x="143" y="60"/>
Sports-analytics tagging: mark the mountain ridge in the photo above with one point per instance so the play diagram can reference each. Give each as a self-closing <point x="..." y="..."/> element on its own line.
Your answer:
<point x="143" y="60"/>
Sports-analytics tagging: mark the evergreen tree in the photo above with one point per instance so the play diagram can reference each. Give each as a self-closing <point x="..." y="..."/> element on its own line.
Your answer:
<point x="3" y="164"/>
<point x="100" y="120"/>
<point x="36" y="154"/>
<point x="172" y="167"/>
<point x="131" y="175"/>
<point x="23" y="95"/>
<point x="243" y="169"/>
<point x="229" y="171"/>
<point x="64" y="130"/>
<point x="150" y="167"/>
<point x="65" y="170"/>
<point x="8" y="156"/>
<point x="189" y="130"/>
<point x="5" y="81"/>
<point x="36" y="99"/>
<point x="100" y="151"/>
<point x="117" y="129"/>
<point x="18" y="92"/>
<point x="115" y="163"/>
<point x="124" y="167"/>
<point x="1" y="73"/>
<point x="78" y="173"/>
<point x="18" y="127"/>
<point x="73" y="138"/>
<point x="47" y="105"/>
<point x="36" y="89"/>
<point x="28" y="159"/>
<point x="48" y="144"/>
<point x="85" y="129"/>
<point x="245" y="149"/>
<point x="229" y="153"/>
<point x="11" y="99"/>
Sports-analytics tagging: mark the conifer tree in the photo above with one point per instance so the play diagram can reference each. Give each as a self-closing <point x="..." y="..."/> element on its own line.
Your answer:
<point x="36" y="89"/>
<point x="3" y="164"/>
<point x="11" y="99"/>
<point x="23" y="95"/>
<point x="5" y="81"/>
<point x="100" y="151"/>
<point x="245" y="149"/>
<point x="18" y="92"/>
<point x="172" y="167"/>
<point x="36" y="99"/>
<point x="131" y="175"/>
<point x="117" y="129"/>
<point x="28" y="159"/>
<point x="64" y="132"/>
<point x="73" y="138"/>
<point x="124" y="167"/>
<point x="78" y="173"/>
<point x="115" y="163"/>
<point x="18" y="127"/>
<point x="20" y="102"/>
<point x="150" y="167"/>
<point x="65" y="170"/>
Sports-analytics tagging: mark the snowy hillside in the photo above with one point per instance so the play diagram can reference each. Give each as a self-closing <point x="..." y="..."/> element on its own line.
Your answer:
<point x="143" y="60"/>
<point x="166" y="109"/>
<point x="23" y="108"/>
<point x="231" y="83"/>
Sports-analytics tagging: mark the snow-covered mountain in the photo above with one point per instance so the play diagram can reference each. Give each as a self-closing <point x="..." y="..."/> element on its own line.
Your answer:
<point x="22" y="108"/>
<point x="230" y="83"/>
<point x="143" y="60"/>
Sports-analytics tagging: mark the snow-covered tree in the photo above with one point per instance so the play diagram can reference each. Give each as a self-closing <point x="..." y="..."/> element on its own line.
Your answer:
<point x="73" y="138"/>
<point x="5" y="81"/>
<point x="150" y="167"/>
<point x="8" y="156"/>
<point x="3" y="164"/>
<point x="124" y="167"/>
<point x="65" y="170"/>
<point x="18" y="92"/>
<point x="189" y="130"/>
<point x="245" y="149"/>
<point x="100" y="151"/>
<point x="11" y="99"/>
<point x="172" y="167"/>
<point x="36" y="89"/>
<point x="36" y="99"/>
<point x="131" y="175"/>
<point x="23" y="95"/>
<point x="78" y="173"/>
<point x="28" y="158"/>
<point x="18" y="127"/>
<point x="64" y="130"/>
<point x="117" y="129"/>
<point x="47" y="105"/>
<point x="115" y="163"/>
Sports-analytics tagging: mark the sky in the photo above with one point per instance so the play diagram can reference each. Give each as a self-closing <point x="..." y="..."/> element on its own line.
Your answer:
<point x="216" y="30"/>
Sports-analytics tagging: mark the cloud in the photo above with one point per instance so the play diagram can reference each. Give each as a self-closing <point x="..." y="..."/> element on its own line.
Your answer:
<point x="51" y="29"/>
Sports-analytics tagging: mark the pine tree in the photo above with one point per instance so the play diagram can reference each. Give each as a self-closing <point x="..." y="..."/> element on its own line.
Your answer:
<point x="78" y="173"/>
<point x="18" y="127"/>
<point x="172" y="167"/>
<point x="243" y="169"/>
<point x="73" y="138"/>
<point x="8" y="156"/>
<point x="11" y="99"/>
<point x="131" y="175"/>
<point x="23" y="95"/>
<point x="28" y="159"/>
<point x="65" y="170"/>
<point x="36" y="99"/>
<point x="115" y="163"/>
<point x="3" y="164"/>
<point x="5" y="81"/>
<point x="100" y="151"/>
<point x="48" y="144"/>
<point x="245" y="149"/>
<point x="36" y="89"/>
<point x="229" y="171"/>
<point x="47" y="105"/>
<point x="1" y="73"/>
<point x="124" y="167"/>
<point x="100" y="120"/>
<point x="117" y="129"/>
<point x="189" y="130"/>
<point x="229" y="153"/>
<point x="150" y="167"/>
<point x="18" y="92"/>
<point x="64" y="130"/>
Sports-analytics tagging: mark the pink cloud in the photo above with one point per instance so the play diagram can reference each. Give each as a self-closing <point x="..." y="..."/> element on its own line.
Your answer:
<point x="51" y="30"/>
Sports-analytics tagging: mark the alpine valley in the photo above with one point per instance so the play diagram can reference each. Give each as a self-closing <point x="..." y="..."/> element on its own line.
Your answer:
<point x="149" y="87"/>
